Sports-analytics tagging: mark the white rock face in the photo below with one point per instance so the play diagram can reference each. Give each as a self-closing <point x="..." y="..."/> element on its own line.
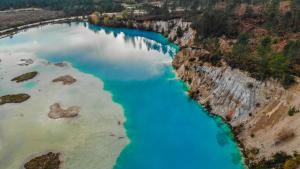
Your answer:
<point x="231" y="93"/>
<point x="169" y="29"/>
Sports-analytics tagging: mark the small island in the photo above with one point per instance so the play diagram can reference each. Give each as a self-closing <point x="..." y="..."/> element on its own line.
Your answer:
<point x="25" y="77"/>
<point x="66" y="80"/>
<point x="48" y="161"/>
<point x="15" y="98"/>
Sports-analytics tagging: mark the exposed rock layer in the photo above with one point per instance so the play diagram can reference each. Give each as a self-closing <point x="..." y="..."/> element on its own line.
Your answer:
<point x="231" y="93"/>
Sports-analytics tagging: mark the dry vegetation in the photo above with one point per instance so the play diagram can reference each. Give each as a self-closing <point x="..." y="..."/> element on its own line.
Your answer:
<point x="15" y="18"/>
<point x="284" y="136"/>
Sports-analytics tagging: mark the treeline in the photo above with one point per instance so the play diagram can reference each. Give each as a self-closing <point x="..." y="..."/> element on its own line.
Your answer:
<point x="217" y="14"/>
<point x="263" y="62"/>
<point x="69" y="6"/>
<point x="214" y="18"/>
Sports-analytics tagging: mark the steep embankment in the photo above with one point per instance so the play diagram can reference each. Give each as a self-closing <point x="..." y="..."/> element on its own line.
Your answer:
<point x="258" y="111"/>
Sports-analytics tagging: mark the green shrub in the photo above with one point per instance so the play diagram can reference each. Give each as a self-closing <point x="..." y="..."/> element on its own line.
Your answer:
<point x="276" y="162"/>
<point x="292" y="51"/>
<point x="179" y="32"/>
<point x="292" y="111"/>
<point x="290" y="164"/>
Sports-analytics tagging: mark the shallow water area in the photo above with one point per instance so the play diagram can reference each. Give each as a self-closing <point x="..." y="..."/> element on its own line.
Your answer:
<point x="119" y="72"/>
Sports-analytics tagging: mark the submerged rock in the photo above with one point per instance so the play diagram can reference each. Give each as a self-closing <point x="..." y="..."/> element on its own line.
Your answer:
<point x="47" y="161"/>
<point x="17" y="98"/>
<point x="25" y="77"/>
<point x="56" y="111"/>
<point x="61" y="64"/>
<point x="66" y="80"/>
<point x="26" y="62"/>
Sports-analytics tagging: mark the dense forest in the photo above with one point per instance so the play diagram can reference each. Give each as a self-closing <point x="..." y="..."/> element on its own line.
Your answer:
<point x="69" y="6"/>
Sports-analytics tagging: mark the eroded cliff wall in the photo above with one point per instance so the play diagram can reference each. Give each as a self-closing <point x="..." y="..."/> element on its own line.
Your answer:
<point x="257" y="110"/>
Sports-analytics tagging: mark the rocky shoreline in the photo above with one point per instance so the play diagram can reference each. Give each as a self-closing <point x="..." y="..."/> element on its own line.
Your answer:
<point x="249" y="106"/>
<point x="186" y="41"/>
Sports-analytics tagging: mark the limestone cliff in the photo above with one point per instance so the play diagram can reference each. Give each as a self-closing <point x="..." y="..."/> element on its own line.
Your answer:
<point x="229" y="92"/>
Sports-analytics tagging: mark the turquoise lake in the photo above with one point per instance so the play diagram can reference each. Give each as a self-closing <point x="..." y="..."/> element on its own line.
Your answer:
<point x="167" y="130"/>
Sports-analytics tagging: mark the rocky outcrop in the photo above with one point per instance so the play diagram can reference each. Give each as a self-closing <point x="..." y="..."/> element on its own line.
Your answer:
<point x="56" y="111"/>
<point x="170" y="30"/>
<point x="66" y="80"/>
<point x="61" y="64"/>
<point x="26" y="62"/>
<point x="48" y="161"/>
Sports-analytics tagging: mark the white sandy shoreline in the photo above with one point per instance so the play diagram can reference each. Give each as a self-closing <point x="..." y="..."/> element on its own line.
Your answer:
<point x="93" y="139"/>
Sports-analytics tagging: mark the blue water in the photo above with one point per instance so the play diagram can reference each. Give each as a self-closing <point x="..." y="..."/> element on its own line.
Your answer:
<point x="167" y="130"/>
<point x="29" y="85"/>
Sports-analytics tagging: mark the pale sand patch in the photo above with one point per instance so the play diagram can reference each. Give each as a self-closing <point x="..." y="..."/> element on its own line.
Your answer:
<point x="56" y="111"/>
<point x="89" y="141"/>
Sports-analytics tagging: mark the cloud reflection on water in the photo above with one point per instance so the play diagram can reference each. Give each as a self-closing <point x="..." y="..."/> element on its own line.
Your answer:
<point x="134" y="58"/>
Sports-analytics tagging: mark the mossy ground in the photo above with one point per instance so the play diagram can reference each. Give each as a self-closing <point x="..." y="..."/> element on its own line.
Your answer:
<point x="17" y="98"/>
<point x="47" y="161"/>
<point x="25" y="77"/>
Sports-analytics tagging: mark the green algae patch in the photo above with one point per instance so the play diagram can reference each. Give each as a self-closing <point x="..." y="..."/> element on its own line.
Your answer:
<point x="47" y="161"/>
<point x="16" y="98"/>
<point x="25" y="77"/>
